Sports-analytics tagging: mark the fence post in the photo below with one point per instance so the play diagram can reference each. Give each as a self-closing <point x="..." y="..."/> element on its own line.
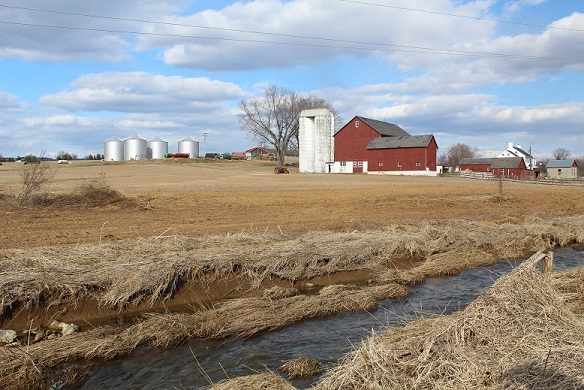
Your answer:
<point x="548" y="263"/>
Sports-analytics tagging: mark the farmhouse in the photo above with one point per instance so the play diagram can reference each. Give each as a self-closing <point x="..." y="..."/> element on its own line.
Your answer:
<point x="370" y="146"/>
<point x="516" y="151"/>
<point x="562" y="169"/>
<point x="512" y="167"/>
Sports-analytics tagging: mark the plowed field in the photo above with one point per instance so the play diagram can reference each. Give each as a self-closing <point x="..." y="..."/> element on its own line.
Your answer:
<point x="209" y="198"/>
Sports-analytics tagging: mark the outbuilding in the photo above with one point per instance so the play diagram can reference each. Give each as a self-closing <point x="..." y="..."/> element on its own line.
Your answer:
<point x="562" y="169"/>
<point x="512" y="167"/>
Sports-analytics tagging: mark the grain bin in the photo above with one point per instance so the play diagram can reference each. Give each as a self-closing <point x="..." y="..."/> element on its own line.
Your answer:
<point x="134" y="148"/>
<point x="189" y="145"/>
<point x="113" y="149"/>
<point x="316" y="142"/>
<point x="156" y="148"/>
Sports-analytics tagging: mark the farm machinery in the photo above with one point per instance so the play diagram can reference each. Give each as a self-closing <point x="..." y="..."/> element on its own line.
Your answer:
<point x="281" y="169"/>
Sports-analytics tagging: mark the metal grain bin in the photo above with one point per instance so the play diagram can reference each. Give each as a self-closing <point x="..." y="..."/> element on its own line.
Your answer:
<point x="134" y="148"/>
<point x="113" y="149"/>
<point x="189" y="145"/>
<point x="156" y="148"/>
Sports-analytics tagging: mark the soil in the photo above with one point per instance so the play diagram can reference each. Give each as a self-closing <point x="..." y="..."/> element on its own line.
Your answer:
<point x="198" y="198"/>
<point x="210" y="198"/>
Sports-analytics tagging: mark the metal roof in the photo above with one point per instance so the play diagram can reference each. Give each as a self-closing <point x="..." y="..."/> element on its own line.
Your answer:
<point x="409" y="141"/>
<point x="560" y="163"/>
<point x="157" y="139"/>
<point x="384" y="128"/>
<point x="188" y="139"/>
<point x="135" y="137"/>
<point x="496" y="162"/>
<point x="114" y="139"/>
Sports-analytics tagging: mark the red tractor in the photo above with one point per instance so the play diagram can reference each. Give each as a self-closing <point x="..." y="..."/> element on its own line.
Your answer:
<point x="281" y="169"/>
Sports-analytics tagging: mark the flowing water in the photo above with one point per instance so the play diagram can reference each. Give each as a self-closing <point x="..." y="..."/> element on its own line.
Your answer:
<point x="325" y="339"/>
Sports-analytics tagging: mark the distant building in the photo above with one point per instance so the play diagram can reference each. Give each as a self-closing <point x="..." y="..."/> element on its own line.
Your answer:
<point x="513" y="167"/>
<point x="516" y="151"/>
<point x="562" y="169"/>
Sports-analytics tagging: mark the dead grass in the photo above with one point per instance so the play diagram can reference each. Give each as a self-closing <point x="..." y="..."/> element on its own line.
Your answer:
<point x="90" y="193"/>
<point x="153" y="270"/>
<point x="571" y="285"/>
<point x="264" y="381"/>
<point x="518" y="334"/>
<point x="303" y="367"/>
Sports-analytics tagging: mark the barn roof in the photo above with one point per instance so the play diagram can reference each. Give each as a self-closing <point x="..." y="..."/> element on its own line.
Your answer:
<point x="561" y="163"/>
<point x="496" y="162"/>
<point x="476" y="161"/>
<point x="409" y="141"/>
<point x="384" y="128"/>
<point x="507" y="162"/>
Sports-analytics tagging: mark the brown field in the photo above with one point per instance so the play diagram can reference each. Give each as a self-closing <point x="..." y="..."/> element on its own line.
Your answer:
<point x="198" y="198"/>
<point x="156" y="252"/>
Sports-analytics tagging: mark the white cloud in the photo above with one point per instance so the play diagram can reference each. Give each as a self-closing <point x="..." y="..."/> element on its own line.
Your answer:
<point x="285" y="22"/>
<point x="142" y="92"/>
<point x="24" y="37"/>
<point x="513" y="7"/>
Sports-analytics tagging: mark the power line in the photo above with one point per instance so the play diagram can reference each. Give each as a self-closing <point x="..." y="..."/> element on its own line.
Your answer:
<point x="462" y="16"/>
<point x="397" y="48"/>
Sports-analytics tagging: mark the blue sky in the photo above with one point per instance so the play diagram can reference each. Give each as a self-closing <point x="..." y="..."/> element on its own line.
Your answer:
<point x="481" y="72"/>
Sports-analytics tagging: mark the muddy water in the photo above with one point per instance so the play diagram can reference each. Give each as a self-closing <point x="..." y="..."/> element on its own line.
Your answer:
<point x="326" y="339"/>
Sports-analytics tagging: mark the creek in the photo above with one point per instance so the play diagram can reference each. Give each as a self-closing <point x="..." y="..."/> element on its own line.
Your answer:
<point x="325" y="339"/>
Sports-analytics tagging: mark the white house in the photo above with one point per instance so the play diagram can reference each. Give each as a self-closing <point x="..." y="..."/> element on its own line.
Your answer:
<point x="516" y="151"/>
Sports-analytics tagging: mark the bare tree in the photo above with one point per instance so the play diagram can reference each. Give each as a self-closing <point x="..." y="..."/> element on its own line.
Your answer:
<point x="455" y="153"/>
<point x="273" y="118"/>
<point x="561" y="154"/>
<point x="35" y="174"/>
<point x="580" y="163"/>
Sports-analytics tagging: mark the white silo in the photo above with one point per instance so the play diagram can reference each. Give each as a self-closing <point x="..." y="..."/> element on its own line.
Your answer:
<point x="113" y="149"/>
<point x="189" y="145"/>
<point x="316" y="142"/>
<point x="134" y="148"/>
<point x="156" y="148"/>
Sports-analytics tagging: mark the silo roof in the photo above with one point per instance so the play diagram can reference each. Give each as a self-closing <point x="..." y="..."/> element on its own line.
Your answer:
<point x="188" y="139"/>
<point x="135" y="136"/>
<point x="157" y="139"/>
<point x="114" y="139"/>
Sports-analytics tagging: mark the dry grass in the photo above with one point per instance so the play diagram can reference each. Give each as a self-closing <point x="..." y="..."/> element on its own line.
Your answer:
<point x="571" y="285"/>
<point x="153" y="270"/>
<point x="265" y="381"/>
<point x="90" y="193"/>
<point x="518" y="334"/>
<point x="150" y="270"/>
<point x="303" y="367"/>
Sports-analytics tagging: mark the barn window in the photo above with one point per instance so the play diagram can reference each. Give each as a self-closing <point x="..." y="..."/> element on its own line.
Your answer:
<point x="356" y="123"/>
<point x="418" y="164"/>
<point x="343" y="163"/>
<point x="380" y="164"/>
<point x="399" y="165"/>
<point x="360" y="164"/>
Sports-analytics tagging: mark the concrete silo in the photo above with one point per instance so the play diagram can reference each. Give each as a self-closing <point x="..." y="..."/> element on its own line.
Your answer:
<point x="316" y="142"/>
<point x="134" y="148"/>
<point x="156" y="148"/>
<point x="113" y="149"/>
<point x="189" y="145"/>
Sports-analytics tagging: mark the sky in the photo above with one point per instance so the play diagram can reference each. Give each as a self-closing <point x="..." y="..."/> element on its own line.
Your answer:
<point x="482" y="73"/>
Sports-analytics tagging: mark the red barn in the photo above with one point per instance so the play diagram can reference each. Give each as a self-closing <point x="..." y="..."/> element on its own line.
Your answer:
<point x="500" y="166"/>
<point x="369" y="145"/>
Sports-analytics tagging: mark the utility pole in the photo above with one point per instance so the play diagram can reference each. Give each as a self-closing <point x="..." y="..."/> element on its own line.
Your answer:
<point x="205" y="134"/>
